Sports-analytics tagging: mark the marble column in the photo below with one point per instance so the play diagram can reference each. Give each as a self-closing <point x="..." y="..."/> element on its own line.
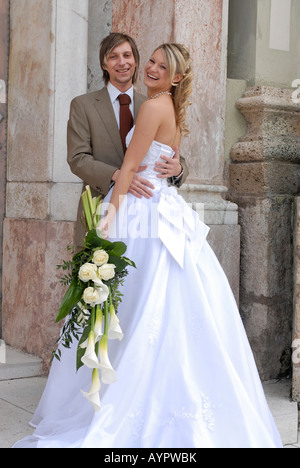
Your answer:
<point x="4" y="48"/>
<point x="265" y="177"/>
<point x="48" y="67"/>
<point x="202" y="26"/>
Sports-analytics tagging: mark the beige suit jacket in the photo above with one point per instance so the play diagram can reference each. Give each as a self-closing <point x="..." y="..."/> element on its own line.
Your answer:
<point x="95" y="149"/>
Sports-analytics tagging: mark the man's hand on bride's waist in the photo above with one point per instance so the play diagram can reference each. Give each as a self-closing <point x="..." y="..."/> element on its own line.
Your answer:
<point x="169" y="167"/>
<point x="139" y="187"/>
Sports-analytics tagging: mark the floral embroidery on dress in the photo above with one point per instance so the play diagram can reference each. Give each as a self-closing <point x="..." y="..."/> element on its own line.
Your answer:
<point x="154" y="327"/>
<point x="137" y="421"/>
<point x="206" y="413"/>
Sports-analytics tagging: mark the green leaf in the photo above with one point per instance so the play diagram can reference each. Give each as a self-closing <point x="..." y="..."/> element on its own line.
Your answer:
<point x="120" y="263"/>
<point x="93" y="240"/>
<point x="70" y="299"/>
<point x="130" y="262"/>
<point x="118" y="249"/>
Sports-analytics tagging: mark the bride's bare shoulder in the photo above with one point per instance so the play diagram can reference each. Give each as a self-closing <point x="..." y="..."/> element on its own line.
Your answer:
<point x="155" y="105"/>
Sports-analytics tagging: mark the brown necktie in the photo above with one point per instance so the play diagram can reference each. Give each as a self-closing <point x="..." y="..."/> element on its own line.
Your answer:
<point x="126" y="119"/>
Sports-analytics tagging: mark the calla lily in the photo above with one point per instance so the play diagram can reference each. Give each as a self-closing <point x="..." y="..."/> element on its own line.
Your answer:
<point x="90" y="358"/>
<point x="97" y="281"/>
<point x="108" y="374"/>
<point x="103" y="292"/>
<point x="93" y="394"/>
<point x="114" y="330"/>
<point x="98" y="324"/>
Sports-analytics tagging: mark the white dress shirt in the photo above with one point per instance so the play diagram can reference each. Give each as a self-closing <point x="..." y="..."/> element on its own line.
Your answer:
<point x="113" y="94"/>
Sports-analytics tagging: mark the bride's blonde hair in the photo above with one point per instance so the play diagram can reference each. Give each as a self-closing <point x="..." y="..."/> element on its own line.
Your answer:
<point x="179" y="62"/>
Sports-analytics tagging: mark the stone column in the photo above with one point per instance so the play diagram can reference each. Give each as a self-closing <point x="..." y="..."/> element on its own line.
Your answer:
<point x="202" y="26"/>
<point x="296" y="327"/>
<point x="265" y="177"/>
<point x="48" y="67"/>
<point x="4" y="47"/>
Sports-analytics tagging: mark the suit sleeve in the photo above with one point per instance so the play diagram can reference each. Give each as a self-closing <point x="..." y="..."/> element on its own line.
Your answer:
<point x="80" y="158"/>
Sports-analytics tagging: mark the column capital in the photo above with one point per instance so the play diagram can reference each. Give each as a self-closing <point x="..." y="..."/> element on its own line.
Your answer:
<point x="266" y="160"/>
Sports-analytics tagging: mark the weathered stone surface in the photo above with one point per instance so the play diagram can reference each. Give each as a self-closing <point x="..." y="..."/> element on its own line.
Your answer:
<point x="42" y="84"/>
<point x="31" y="290"/>
<point x="296" y="321"/>
<point x="29" y="91"/>
<point x="266" y="280"/>
<point x="25" y="200"/>
<point x="273" y="126"/>
<point x="265" y="176"/>
<point x="267" y="245"/>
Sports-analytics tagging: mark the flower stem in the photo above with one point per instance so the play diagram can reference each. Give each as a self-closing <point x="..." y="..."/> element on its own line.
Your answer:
<point x="106" y="317"/>
<point x="87" y="212"/>
<point x="91" y="204"/>
<point x="93" y="318"/>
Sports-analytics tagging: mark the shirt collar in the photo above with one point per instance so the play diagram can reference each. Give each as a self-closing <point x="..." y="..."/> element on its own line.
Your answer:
<point x="114" y="92"/>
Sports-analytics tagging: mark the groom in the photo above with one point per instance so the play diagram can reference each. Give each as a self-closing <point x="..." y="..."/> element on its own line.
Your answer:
<point x="99" y="120"/>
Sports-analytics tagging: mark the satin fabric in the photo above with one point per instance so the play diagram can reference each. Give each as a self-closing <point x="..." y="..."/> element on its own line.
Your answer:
<point x="186" y="376"/>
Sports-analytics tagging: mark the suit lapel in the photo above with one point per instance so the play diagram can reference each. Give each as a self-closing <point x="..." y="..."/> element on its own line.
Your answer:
<point x="106" y="113"/>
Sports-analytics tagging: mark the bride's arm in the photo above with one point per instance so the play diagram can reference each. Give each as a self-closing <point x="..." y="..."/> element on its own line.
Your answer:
<point x="147" y="124"/>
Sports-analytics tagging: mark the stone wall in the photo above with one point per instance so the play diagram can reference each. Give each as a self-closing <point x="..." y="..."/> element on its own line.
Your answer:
<point x="265" y="177"/>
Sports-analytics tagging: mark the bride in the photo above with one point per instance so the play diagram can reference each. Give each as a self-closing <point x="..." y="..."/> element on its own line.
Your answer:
<point x="186" y="376"/>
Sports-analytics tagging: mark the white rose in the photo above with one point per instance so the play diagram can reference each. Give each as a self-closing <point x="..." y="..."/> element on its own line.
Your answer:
<point x="95" y="296"/>
<point x="107" y="272"/>
<point x="90" y="296"/>
<point x="100" y="257"/>
<point x="87" y="272"/>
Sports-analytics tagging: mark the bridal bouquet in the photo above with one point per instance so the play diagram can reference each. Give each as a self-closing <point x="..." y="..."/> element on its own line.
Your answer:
<point x="91" y="302"/>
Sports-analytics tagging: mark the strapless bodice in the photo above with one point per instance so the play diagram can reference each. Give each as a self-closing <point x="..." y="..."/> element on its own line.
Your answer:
<point x="153" y="155"/>
<point x="177" y="222"/>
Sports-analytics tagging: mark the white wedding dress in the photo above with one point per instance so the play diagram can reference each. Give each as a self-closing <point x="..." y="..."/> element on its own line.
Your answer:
<point x="186" y="377"/>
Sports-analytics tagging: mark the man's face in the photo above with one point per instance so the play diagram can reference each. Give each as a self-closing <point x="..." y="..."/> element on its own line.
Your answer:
<point x="121" y="66"/>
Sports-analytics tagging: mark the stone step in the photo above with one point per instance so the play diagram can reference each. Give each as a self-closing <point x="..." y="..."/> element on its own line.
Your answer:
<point x="17" y="365"/>
<point x="283" y="409"/>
